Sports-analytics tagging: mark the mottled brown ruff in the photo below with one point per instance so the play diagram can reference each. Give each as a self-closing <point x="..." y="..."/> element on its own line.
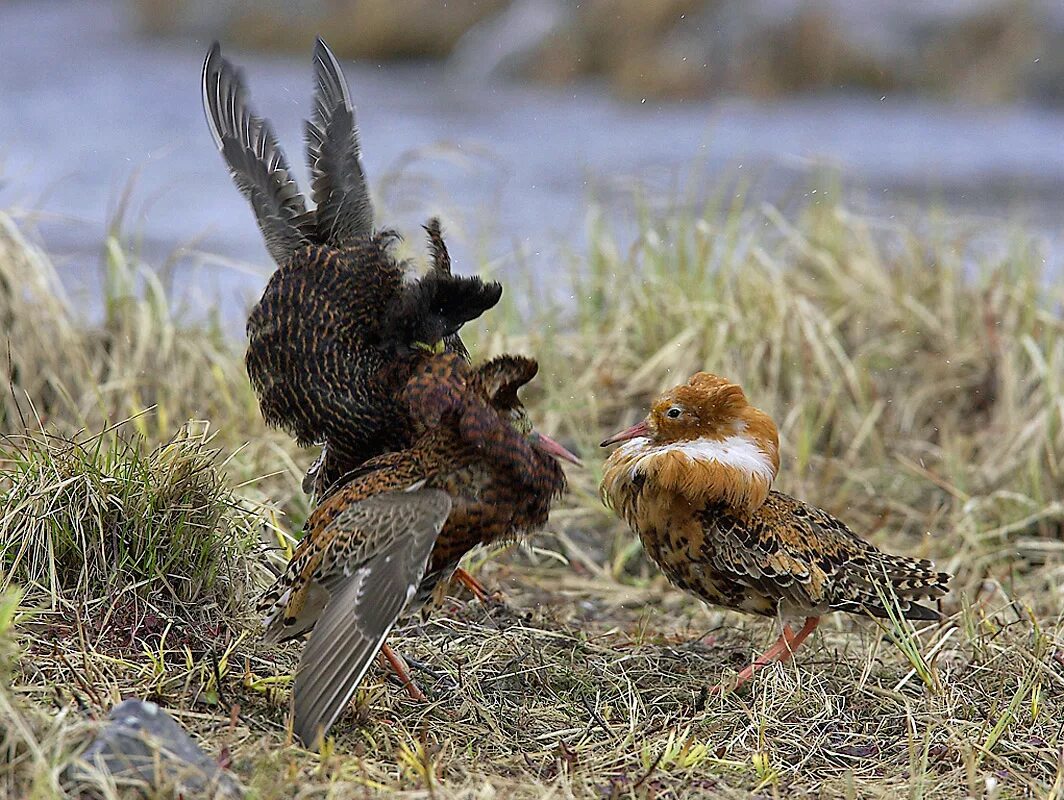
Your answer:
<point x="339" y="329"/>
<point x="380" y="543"/>
<point x="693" y="480"/>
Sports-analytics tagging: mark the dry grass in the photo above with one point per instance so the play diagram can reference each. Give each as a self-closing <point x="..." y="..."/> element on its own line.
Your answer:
<point x="919" y="394"/>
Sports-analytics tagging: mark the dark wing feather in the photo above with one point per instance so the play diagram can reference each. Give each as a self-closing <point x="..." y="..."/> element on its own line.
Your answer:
<point x="338" y="181"/>
<point x="365" y="603"/>
<point x="441" y="259"/>
<point x="255" y="160"/>
<point x="793" y="552"/>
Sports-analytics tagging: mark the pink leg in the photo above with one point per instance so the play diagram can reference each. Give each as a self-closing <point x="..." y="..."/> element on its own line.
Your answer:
<point x="782" y="650"/>
<point x="479" y="590"/>
<point x="801" y="636"/>
<point x="398" y="665"/>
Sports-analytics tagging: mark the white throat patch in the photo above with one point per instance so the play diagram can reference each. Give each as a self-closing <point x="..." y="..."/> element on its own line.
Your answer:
<point x="738" y="452"/>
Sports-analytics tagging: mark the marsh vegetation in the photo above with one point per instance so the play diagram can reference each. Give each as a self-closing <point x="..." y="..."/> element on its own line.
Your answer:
<point x="918" y="389"/>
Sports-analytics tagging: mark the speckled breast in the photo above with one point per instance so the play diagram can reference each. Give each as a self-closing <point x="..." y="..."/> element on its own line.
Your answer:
<point x="674" y="538"/>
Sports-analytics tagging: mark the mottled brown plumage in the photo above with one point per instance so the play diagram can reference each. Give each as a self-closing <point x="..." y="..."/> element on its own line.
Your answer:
<point x="693" y="480"/>
<point x="339" y="329"/>
<point x="401" y="522"/>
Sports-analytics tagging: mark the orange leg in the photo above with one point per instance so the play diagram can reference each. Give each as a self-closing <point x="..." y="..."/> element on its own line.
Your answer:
<point x="398" y="665"/>
<point x="479" y="590"/>
<point x="794" y="643"/>
<point x="781" y="651"/>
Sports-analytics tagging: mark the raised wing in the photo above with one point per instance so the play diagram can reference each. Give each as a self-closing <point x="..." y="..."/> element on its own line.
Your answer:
<point x="255" y="160"/>
<point x="365" y="601"/>
<point x="338" y="181"/>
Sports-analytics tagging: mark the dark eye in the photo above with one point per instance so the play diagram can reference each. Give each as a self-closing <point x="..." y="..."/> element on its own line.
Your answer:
<point x="674" y="412"/>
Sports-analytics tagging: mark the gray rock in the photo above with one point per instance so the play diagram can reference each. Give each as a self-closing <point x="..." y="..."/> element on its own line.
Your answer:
<point x="141" y="746"/>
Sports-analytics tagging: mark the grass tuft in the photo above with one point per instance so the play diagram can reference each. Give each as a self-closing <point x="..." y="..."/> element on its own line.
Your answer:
<point x="85" y="518"/>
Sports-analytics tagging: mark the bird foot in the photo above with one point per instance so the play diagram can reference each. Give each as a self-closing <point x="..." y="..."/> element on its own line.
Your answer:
<point x="440" y="679"/>
<point x="478" y="589"/>
<point x="402" y="670"/>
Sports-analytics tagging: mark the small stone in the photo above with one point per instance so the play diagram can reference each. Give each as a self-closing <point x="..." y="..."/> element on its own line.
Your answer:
<point x="141" y="746"/>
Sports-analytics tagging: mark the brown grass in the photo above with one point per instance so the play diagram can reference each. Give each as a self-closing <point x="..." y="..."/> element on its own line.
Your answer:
<point x="919" y="397"/>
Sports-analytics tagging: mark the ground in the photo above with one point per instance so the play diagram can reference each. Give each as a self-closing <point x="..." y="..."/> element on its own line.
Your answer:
<point x="917" y="384"/>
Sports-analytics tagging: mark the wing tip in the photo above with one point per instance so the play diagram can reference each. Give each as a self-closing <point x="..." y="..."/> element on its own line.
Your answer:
<point x="339" y="653"/>
<point x="920" y="613"/>
<point x="325" y="60"/>
<point x="310" y="732"/>
<point x="208" y="76"/>
<point x="214" y="54"/>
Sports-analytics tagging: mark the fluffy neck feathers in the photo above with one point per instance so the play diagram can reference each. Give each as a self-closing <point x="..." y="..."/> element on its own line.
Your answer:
<point x="737" y="468"/>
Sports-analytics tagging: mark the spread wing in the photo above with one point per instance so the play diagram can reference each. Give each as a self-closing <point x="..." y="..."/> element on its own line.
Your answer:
<point x="255" y="160"/>
<point x="795" y="553"/>
<point x="338" y="181"/>
<point x="365" y="600"/>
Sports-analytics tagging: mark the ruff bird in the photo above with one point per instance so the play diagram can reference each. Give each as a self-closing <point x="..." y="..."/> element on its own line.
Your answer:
<point x="338" y="330"/>
<point x="693" y="480"/>
<point x="380" y="544"/>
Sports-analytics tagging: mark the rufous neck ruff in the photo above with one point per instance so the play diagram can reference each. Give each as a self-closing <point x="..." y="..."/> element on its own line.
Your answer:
<point x="737" y="470"/>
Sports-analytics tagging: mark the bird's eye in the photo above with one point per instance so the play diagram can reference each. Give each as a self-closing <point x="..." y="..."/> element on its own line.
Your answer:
<point x="674" y="412"/>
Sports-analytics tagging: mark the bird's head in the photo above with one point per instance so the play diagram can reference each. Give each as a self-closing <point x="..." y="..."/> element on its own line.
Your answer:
<point x="499" y="380"/>
<point x="432" y="309"/>
<point x="704" y="440"/>
<point x="706" y="407"/>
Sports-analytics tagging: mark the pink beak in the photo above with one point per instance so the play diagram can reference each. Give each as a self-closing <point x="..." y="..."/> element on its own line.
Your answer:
<point x="637" y="430"/>
<point x="552" y="448"/>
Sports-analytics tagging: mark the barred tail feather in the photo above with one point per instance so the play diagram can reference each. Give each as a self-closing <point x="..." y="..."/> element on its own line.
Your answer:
<point x="908" y="580"/>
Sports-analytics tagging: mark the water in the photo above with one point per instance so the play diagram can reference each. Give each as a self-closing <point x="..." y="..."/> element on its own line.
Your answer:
<point x="89" y="107"/>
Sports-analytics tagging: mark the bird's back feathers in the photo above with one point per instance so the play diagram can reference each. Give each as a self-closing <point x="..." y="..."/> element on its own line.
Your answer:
<point x="795" y="554"/>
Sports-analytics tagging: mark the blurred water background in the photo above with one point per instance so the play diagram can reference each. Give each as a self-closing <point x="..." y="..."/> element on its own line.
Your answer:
<point x="511" y="118"/>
